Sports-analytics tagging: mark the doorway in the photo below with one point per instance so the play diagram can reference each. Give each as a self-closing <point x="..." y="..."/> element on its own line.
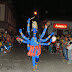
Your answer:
<point x="59" y="32"/>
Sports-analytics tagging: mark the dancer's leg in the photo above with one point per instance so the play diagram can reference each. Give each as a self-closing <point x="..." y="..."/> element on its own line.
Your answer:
<point x="37" y="59"/>
<point x="33" y="61"/>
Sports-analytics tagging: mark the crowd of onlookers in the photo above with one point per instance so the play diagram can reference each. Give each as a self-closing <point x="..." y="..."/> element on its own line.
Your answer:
<point x="62" y="46"/>
<point x="6" y="42"/>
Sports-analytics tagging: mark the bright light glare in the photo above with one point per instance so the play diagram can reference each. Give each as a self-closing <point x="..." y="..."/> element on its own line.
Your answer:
<point x="35" y="13"/>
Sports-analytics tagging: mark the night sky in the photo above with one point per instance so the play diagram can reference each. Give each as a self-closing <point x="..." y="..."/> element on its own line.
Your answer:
<point x="46" y="9"/>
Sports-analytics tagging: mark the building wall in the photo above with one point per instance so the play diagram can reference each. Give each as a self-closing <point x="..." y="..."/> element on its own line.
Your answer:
<point x="7" y="21"/>
<point x="2" y="29"/>
<point x="2" y="12"/>
<point x="51" y="29"/>
<point x="11" y="29"/>
<point x="3" y="25"/>
<point x="11" y="22"/>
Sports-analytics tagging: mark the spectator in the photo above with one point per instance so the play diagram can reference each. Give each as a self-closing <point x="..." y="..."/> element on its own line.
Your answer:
<point x="54" y="48"/>
<point x="4" y="36"/>
<point x="8" y="38"/>
<point x="69" y="47"/>
<point x="6" y="41"/>
<point x="58" y="37"/>
<point x="8" y="46"/>
<point x="0" y="43"/>
<point x="57" y="46"/>
<point x="61" y="45"/>
<point x="65" y="49"/>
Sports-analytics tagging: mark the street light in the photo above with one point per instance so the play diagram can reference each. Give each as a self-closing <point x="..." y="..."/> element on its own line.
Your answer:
<point x="36" y="13"/>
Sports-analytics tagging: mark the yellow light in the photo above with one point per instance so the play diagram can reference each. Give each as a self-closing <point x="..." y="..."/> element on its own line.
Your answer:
<point x="35" y="13"/>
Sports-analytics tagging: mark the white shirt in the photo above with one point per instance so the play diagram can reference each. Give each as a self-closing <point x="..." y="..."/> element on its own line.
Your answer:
<point x="58" y="44"/>
<point x="69" y="47"/>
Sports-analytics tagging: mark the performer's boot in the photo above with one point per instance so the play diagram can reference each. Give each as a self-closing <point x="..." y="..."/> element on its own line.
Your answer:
<point x="36" y="65"/>
<point x="33" y="61"/>
<point x="33" y="68"/>
<point x="37" y="59"/>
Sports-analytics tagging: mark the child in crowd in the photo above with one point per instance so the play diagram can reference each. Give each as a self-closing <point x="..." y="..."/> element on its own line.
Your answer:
<point x="69" y="47"/>
<point x="57" y="46"/>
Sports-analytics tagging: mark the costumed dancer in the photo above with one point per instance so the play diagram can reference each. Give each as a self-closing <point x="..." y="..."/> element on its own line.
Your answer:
<point x="34" y="45"/>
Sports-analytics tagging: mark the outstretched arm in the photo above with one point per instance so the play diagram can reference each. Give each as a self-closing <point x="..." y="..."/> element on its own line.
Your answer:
<point x="46" y="44"/>
<point x="23" y="41"/>
<point x="19" y="39"/>
<point x="44" y="40"/>
<point x="28" y="26"/>
<point x="23" y="36"/>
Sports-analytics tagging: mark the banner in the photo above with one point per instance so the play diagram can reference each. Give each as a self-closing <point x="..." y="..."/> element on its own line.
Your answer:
<point x="60" y="26"/>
